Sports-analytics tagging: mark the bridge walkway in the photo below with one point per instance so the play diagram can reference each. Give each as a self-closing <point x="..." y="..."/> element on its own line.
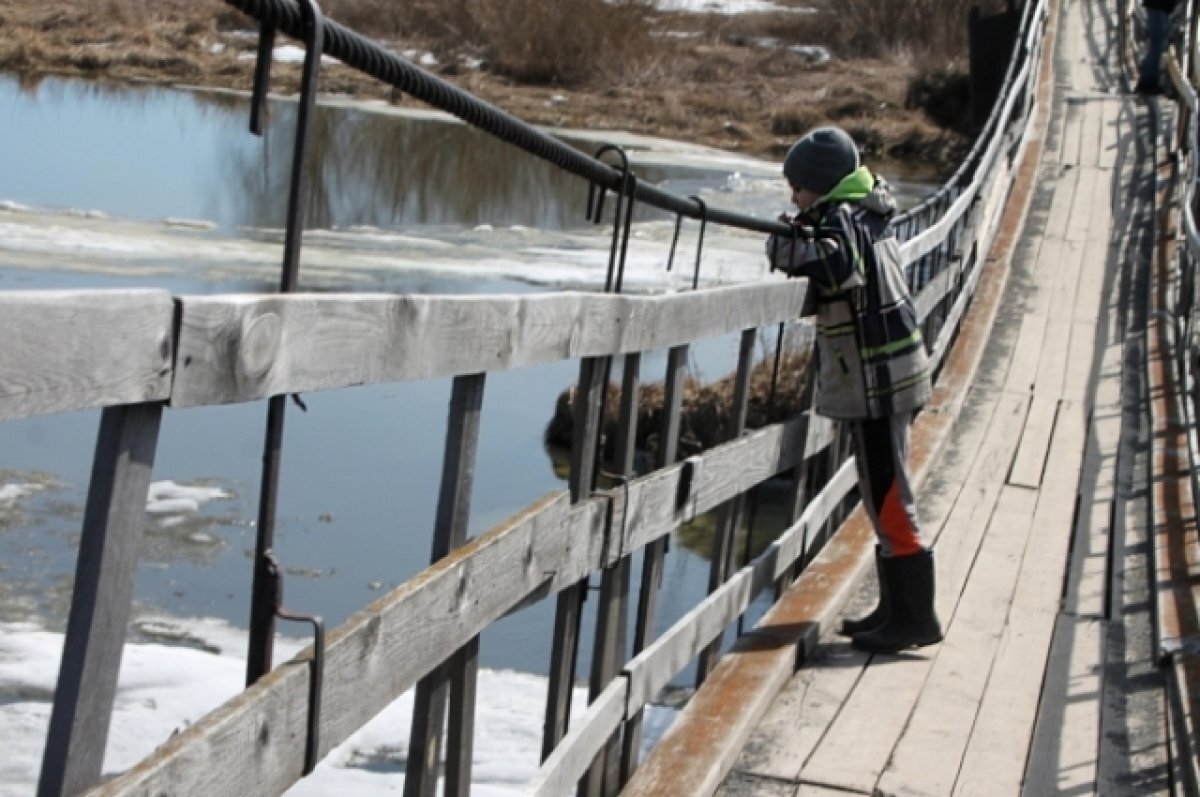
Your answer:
<point x="1046" y="682"/>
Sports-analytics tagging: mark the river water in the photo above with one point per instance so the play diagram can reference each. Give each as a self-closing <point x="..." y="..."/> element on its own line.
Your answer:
<point x="114" y="187"/>
<point x="109" y="187"/>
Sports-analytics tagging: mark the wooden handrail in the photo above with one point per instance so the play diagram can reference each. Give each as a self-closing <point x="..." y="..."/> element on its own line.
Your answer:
<point x="74" y="350"/>
<point x="241" y="348"/>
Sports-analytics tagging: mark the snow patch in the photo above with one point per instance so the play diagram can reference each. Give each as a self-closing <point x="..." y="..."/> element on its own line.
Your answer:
<point x="286" y="54"/>
<point x="11" y="493"/>
<point x="168" y="497"/>
<point x="193" y="666"/>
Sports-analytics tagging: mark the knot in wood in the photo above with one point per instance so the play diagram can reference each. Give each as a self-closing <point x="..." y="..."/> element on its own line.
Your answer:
<point x="259" y="344"/>
<point x="264" y="734"/>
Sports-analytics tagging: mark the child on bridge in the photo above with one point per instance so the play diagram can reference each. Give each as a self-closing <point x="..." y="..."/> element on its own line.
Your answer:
<point x="873" y="372"/>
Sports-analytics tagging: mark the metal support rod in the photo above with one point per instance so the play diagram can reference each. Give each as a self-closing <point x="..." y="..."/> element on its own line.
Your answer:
<point x="700" y="240"/>
<point x="622" y="217"/>
<point x="312" y="744"/>
<point x="586" y="450"/>
<point x="262" y="78"/>
<point x="262" y="610"/>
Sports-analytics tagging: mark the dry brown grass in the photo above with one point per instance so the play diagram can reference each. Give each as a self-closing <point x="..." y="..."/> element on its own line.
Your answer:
<point x="928" y="30"/>
<point x="545" y="42"/>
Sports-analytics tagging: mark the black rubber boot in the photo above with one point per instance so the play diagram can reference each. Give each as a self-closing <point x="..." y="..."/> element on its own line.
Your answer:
<point x="878" y="615"/>
<point x="912" y="621"/>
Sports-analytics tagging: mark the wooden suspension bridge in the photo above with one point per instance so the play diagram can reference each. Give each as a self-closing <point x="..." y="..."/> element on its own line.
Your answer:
<point x="1055" y="279"/>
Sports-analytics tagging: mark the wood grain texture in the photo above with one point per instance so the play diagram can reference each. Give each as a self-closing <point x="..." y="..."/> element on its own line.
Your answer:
<point x="384" y="649"/>
<point x="72" y="350"/>
<point x="728" y="514"/>
<point x="449" y="532"/>
<point x="564" y="647"/>
<point x="241" y="348"/>
<point x="927" y="757"/>
<point x="654" y="553"/>
<point x="113" y="525"/>
<point x="254" y="743"/>
<point x="653" y="668"/>
<point x="1031" y="453"/>
<point x="590" y="732"/>
<point x="652" y="506"/>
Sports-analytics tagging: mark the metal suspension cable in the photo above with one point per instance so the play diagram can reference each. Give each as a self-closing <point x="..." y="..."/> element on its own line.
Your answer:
<point x="363" y="54"/>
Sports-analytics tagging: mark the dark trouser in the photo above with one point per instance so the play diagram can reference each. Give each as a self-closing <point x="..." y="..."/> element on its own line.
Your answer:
<point x="1157" y="23"/>
<point x="881" y="457"/>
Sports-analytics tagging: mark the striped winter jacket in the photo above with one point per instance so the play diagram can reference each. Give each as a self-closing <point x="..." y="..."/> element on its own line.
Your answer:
<point x="872" y="359"/>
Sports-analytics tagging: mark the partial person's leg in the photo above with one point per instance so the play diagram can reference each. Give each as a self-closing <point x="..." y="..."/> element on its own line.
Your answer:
<point x="905" y="561"/>
<point x="1156" y="41"/>
<point x="881" y="447"/>
<point x="877" y="616"/>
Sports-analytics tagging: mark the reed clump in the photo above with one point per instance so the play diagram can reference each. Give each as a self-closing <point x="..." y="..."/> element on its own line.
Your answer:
<point x="706" y="418"/>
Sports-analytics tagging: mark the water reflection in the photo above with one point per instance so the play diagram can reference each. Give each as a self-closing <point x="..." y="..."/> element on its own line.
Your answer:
<point x="386" y="171"/>
<point x="149" y="152"/>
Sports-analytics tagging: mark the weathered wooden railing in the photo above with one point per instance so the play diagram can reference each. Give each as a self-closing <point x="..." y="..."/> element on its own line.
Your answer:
<point x="1183" y="69"/>
<point x="1172" y="366"/>
<point x="138" y="353"/>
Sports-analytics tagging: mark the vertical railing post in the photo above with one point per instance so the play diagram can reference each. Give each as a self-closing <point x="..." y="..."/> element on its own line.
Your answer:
<point x="729" y="514"/>
<point x="589" y="403"/>
<point x="655" y="553"/>
<point x="798" y="491"/>
<point x="1191" y="42"/>
<point x="612" y="613"/>
<point x="841" y="449"/>
<point x="460" y="738"/>
<point x="459" y="671"/>
<point x="114" y="521"/>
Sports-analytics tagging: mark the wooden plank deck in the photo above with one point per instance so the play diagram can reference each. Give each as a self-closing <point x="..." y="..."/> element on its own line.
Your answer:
<point x="1045" y="681"/>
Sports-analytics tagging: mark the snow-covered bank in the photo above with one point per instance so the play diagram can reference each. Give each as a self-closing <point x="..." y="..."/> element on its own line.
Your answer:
<point x="164" y="688"/>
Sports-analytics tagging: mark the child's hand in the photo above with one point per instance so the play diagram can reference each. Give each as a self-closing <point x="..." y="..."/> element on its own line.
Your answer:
<point x="799" y="222"/>
<point x="780" y="250"/>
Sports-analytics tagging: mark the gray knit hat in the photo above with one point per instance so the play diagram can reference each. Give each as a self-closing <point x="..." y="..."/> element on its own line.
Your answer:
<point x="821" y="159"/>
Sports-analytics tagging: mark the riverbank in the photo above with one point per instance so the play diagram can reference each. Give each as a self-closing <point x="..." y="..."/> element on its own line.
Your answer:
<point x="713" y="80"/>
